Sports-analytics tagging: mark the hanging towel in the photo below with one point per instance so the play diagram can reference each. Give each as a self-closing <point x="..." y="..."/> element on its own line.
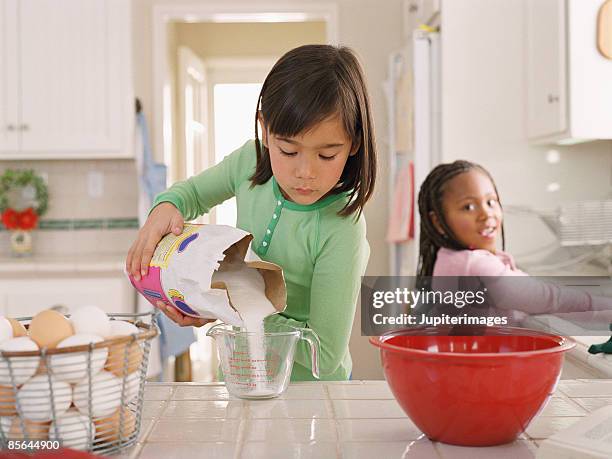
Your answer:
<point x="401" y="220"/>
<point x="152" y="174"/>
<point x="173" y="340"/>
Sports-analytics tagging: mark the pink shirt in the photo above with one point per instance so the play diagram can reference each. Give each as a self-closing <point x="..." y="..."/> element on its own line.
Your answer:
<point x="475" y="263"/>
<point x="534" y="296"/>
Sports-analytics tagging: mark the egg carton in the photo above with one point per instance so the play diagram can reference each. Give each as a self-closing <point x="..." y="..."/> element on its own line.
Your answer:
<point x="81" y="396"/>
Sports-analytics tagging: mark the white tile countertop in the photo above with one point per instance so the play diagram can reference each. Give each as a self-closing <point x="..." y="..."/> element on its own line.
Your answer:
<point x="356" y="419"/>
<point x="599" y="363"/>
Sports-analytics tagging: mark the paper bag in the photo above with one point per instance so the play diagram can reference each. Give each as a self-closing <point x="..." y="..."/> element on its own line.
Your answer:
<point x="181" y="272"/>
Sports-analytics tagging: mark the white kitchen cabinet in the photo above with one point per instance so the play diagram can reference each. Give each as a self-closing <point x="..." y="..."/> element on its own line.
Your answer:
<point x="9" y="135"/>
<point x="569" y="95"/>
<point x="27" y="296"/>
<point x="65" y="79"/>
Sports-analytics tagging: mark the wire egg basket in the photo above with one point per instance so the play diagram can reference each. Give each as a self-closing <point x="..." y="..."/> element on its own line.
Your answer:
<point x="87" y="397"/>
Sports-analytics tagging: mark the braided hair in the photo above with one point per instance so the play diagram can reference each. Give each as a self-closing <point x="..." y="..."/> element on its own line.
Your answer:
<point x="430" y="200"/>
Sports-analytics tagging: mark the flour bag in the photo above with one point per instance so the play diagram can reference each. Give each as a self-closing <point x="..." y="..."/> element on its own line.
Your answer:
<point x="181" y="272"/>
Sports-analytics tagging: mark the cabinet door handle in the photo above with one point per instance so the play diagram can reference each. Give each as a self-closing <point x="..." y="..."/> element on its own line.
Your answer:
<point x="552" y="98"/>
<point x="24" y="127"/>
<point x="10" y="127"/>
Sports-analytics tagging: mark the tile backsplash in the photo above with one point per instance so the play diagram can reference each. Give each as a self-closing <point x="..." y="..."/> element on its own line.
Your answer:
<point x="93" y="206"/>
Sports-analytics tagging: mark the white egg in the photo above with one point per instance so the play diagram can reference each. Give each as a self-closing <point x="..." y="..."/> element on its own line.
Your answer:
<point x="5" y="424"/>
<point x="73" y="430"/>
<point x="22" y="368"/>
<point x="122" y="328"/>
<point x="73" y="367"/>
<point x="34" y="398"/>
<point x="132" y="386"/>
<point x="90" y="319"/>
<point x="6" y="330"/>
<point x="105" y="395"/>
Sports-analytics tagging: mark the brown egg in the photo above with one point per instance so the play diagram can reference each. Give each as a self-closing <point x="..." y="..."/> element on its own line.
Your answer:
<point x="7" y="401"/>
<point x="49" y="327"/>
<point x="108" y="429"/>
<point x="18" y="328"/>
<point x="42" y="368"/>
<point x="116" y="354"/>
<point x="35" y="430"/>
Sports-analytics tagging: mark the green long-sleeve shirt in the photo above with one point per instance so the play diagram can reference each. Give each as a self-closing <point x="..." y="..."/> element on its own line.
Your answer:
<point x="322" y="254"/>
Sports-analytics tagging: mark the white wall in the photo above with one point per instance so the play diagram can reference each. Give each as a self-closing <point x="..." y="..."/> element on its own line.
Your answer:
<point x="483" y="118"/>
<point x="373" y="28"/>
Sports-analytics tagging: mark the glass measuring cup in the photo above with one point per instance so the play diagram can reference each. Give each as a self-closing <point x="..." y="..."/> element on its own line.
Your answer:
<point x="258" y="365"/>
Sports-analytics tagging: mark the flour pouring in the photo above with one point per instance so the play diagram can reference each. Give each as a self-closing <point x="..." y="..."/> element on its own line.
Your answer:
<point x="210" y="272"/>
<point x="246" y="289"/>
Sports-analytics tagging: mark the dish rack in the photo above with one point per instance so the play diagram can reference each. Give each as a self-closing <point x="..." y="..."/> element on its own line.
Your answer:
<point x="87" y="397"/>
<point x="582" y="225"/>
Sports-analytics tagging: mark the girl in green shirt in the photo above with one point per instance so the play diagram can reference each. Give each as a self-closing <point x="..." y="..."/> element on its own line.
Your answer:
<point x="300" y="192"/>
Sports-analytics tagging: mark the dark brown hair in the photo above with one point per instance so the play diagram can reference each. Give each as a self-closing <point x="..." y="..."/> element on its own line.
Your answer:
<point x="306" y="86"/>
<point x="430" y="200"/>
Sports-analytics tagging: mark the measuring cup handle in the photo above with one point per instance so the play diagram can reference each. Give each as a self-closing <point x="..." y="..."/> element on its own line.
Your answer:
<point x="215" y="330"/>
<point x="313" y="341"/>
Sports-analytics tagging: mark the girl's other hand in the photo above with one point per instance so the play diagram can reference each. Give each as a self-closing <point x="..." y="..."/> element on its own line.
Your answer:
<point x="181" y="319"/>
<point x="163" y="219"/>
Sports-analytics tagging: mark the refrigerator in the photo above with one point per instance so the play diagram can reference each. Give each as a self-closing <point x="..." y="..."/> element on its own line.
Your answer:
<point x="414" y="96"/>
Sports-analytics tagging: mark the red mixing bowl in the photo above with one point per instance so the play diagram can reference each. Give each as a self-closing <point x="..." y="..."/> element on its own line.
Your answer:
<point x="472" y="390"/>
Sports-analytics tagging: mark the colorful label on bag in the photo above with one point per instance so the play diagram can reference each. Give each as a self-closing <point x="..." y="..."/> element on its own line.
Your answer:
<point x="172" y="244"/>
<point x="150" y="286"/>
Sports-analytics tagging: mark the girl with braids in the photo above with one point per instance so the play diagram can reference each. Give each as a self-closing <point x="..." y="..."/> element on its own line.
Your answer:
<point x="461" y="219"/>
<point x="300" y="191"/>
<point x="461" y="228"/>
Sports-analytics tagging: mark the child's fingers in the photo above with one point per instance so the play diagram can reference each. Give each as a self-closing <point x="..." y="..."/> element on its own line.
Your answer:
<point x="128" y="260"/>
<point x="168" y="312"/>
<point x="174" y="314"/>
<point x="177" y="227"/>
<point x="147" y="253"/>
<point x="136" y="256"/>
<point x="183" y="320"/>
<point x="176" y="223"/>
<point x="197" y="322"/>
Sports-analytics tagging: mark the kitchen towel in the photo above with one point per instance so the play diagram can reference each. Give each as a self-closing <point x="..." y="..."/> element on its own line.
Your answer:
<point x="173" y="340"/>
<point x="401" y="220"/>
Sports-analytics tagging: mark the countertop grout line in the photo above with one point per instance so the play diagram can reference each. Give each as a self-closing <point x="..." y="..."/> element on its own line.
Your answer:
<point x="145" y="435"/>
<point x="137" y="450"/>
<point x="533" y="444"/>
<point x="435" y="446"/>
<point x="244" y="419"/>
<point x="241" y="438"/>
<point x="574" y="403"/>
<point x="147" y="432"/>
<point x="157" y="417"/>
<point x="330" y="407"/>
